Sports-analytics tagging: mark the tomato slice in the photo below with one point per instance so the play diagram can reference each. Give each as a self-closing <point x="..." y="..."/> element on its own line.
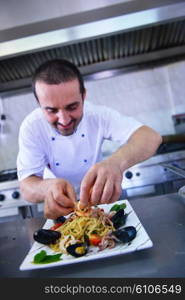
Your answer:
<point x="56" y="226"/>
<point x="94" y="239"/>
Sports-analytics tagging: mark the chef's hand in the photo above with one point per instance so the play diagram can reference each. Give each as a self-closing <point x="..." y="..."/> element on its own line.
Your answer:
<point x="60" y="199"/>
<point x="101" y="184"/>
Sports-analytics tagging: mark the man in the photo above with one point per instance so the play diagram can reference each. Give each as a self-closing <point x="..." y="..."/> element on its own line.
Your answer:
<point x="66" y="133"/>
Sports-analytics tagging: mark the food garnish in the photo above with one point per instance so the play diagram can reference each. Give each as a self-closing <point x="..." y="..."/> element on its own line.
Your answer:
<point x="117" y="207"/>
<point x="86" y="228"/>
<point x="43" y="258"/>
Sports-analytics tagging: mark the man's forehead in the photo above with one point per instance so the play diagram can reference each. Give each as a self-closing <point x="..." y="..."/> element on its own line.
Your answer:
<point x="65" y="105"/>
<point x="63" y="94"/>
<point x="74" y="84"/>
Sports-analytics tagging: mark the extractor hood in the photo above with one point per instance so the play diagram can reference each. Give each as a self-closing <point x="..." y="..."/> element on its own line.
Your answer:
<point x="120" y="36"/>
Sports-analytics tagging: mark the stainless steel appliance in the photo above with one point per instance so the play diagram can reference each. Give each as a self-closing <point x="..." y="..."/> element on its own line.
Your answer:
<point x="151" y="177"/>
<point x="174" y="169"/>
<point x="96" y="36"/>
<point x="179" y="123"/>
<point x="12" y="205"/>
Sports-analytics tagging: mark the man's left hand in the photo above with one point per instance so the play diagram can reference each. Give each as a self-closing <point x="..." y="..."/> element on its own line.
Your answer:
<point x="101" y="184"/>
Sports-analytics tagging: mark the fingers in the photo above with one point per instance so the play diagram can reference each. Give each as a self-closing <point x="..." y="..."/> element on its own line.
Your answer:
<point x="60" y="199"/>
<point x="107" y="192"/>
<point x="53" y="210"/>
<point x="70" y="192"/>
<point x="86" y="188"/>
<point x="100" y="185"/>
<point x="64" y="195"/>
<point x="97" y="191"/>
<point x="116" y="192"/>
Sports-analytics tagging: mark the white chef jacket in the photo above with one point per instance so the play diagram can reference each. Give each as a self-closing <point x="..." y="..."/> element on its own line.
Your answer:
<point x="69" y="157"/>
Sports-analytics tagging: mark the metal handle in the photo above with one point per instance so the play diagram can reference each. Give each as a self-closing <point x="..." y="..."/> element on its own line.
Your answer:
<point x="174" y="169"/>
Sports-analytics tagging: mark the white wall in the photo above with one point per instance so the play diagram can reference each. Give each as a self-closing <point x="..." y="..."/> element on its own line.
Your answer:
<point x="15" y="109"/>
<point x="152" y="96"/>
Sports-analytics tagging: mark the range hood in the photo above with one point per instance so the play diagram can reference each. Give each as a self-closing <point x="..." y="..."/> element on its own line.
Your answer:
<point x="122" y="36"/>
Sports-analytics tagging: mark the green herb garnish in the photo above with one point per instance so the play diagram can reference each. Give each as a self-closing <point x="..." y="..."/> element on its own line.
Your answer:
<point x="117" y="207"/>
<point x="43" y="258"/>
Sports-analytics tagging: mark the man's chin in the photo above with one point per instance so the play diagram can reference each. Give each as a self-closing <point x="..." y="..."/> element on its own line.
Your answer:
<point x="66" y="132"/>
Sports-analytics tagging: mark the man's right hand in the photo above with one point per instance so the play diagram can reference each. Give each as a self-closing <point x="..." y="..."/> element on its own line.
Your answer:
<point x="60" y="199"/>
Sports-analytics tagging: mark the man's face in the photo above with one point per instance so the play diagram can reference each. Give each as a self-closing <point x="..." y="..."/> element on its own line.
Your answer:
<point x="62" y="104"/>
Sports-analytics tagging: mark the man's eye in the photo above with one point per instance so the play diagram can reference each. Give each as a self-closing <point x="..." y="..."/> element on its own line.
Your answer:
<point x="52" y="111"/>
<point x="72" y="107"/>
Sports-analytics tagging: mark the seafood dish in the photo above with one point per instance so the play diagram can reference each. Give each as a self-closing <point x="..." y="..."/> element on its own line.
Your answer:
<point x="85" y="228"/>
<point x="85" y="235"/>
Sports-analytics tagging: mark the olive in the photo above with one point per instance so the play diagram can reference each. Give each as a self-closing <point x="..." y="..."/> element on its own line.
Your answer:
<point x="46" y="236"/>
<point x="126" y="234"/>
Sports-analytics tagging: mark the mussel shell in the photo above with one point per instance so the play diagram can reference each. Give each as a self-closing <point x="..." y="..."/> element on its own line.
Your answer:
<point x="74" y="249"/>
<point x="61" y="219"/>
<point x="46" y="236"/>
<point x="126" y="234"/>
<point x="119" y="218"/>
<point x="86" y="239"/>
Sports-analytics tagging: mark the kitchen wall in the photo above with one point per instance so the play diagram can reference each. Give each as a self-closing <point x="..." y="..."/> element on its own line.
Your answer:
<point x="152" y="96"/>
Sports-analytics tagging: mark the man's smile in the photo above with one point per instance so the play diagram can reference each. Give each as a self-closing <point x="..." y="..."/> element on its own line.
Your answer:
<point x="65" y="126"/>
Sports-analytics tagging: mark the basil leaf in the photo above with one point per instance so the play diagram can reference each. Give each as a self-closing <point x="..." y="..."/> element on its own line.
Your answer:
<point x="51" y="258"/>
<point x="43" y="258"/>
<point x="117" y="207"/>
<point x="39" y="256"/>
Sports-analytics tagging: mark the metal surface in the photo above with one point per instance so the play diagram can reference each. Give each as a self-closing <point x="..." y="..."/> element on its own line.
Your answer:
<point x="12" y="204"/>
<point x="174" y="169"/>
<point x="152" y="170"/>
<point x="95" y="41"/>
<point x="163" y="219"/>
<point x="93" y="30"/>
<point x="7" y="189"/>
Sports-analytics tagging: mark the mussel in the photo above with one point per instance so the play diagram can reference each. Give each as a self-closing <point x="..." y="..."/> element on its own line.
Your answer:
<point x="61" y="219"/>
<point x="46" y="236"/>
<point x="119" y="218"/>
<point x="78" y="249"/>
<point x="126" y="234"/>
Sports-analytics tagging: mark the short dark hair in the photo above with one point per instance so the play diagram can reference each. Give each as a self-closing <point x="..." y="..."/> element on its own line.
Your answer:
<point x="56" y="71"/>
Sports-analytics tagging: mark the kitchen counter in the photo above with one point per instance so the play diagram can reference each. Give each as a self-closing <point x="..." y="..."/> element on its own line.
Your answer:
<point x="163" y="217"/>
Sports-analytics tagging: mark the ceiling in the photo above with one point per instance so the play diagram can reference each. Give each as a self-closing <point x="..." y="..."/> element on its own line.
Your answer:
<point x="116" y="37"/>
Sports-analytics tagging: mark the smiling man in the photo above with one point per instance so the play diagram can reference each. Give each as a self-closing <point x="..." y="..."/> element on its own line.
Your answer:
<point x="66" y="134"/>
<point x="62" y="105"/>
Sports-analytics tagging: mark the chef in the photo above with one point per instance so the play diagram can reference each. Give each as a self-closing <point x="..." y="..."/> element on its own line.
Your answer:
<point x="65" y="134"/>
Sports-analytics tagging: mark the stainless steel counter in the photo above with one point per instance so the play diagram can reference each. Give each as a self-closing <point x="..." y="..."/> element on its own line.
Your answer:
<point x="163" y="218"/>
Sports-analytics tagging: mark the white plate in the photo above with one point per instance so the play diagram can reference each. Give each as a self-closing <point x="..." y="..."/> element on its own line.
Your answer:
<point x="141" y="241"/>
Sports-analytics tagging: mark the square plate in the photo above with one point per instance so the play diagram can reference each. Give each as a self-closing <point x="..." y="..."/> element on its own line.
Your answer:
<point x="141" y="241"/>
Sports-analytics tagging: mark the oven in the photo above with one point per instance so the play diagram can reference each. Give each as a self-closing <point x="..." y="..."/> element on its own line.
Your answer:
<point x="12" y="204"/>
<point x="150" y="178"/>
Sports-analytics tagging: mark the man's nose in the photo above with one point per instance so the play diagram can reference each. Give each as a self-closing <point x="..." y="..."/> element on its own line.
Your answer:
<point x="63" y="118"/>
